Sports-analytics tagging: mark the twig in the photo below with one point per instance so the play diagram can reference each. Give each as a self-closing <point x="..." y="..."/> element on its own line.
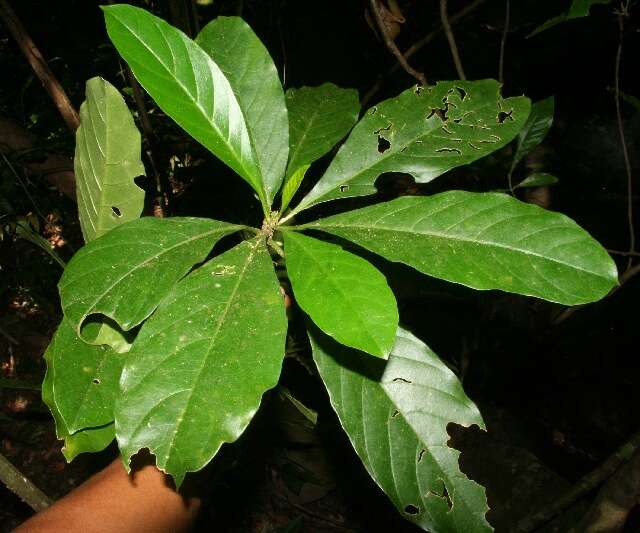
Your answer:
<point x="444" y="17"/>
<point x="9" y="338"/>
<point x="626" y="254"/>
<point x="624" y="12"/>
<point x="391" y="45"/>
<point x="416" y="47"/>
<point x="22" y="487"/>
<point x="39" y="65"/>
<point x="503" y="42"/>
<point x="582" y="487"/>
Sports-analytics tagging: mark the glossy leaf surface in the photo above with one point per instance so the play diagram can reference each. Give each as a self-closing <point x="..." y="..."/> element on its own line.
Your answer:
<point x="125" y="273"/>
<point x="319" y="117"/>
<point x="187" y="85"/>
<point x="85" y="380"/>
<point x="484" y="241"/>
<point x="424" y="133"/>
<point x="200" y="365"/>
<point x="396" y="417"/>
<point x="536" y="128"/>
<point x="539" y="179"/>
<point x="253" y="77"/>
<point x="291" y="185"/>
<point x="345" y="295"/>
<point x="107" y="159"/>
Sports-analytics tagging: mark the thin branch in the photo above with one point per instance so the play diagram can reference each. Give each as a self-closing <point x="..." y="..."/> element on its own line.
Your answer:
<point x="585" y="485"/>
<point x="626" y="254"/>
<point x="416" y="47"/>
<point x="444" y="17"/>
<point x="503" y="42"/>
<point x="624" y="12"/>
<point x="391" y="45"/>
<point x="17" y="483"/>
<point x="39" y="66"/>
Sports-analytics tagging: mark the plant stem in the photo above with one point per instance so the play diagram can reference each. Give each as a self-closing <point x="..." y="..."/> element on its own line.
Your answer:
<point x="22" y="487"/>
<point x="391" y="45"/>
<point x="503" y="41"/>
<point x="444" y="17"/>
<point x="39" y="66"/>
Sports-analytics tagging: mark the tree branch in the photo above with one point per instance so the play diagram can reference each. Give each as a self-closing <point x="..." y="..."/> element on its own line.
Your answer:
<point x="503" y="41"/>
<point x="444" y="17"/>
<point x="22" y="487"/>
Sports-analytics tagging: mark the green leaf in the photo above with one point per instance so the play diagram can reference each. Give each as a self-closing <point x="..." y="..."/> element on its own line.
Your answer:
<point x="106" y="161"/>
<point x="345" y="295"/>
<point x="423" y="132"/>
<point x="85" y="380"/>
<point x="92" y="439"/>
<point x="484" y="241"/>
<point x="200" y="365"/>
<point x="291" y="185"/>
<point x="319" y="117"/>
<point x="253" y="77"/>
<point x="535" y="130"/>
<point x="124" y="274"/>
<point x="539" y="179"/>
<point x="187" y="85"/>
<point x="396" y="417"/>
<point x="578" y="9"/>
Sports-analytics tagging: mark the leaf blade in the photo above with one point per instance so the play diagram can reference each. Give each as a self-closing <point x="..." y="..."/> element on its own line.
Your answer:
<point x="345" y="295"/>
<point x="459" y="123"/>
<point x="253" y="77"/>
<point x="484" y="241"/>
<point x="396" y="418"/>
<point x="207" y="369"/>
<point x="535" y="129"/>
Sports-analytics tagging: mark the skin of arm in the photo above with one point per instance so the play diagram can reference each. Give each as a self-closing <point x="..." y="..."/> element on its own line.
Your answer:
<point x="112" y="500"/>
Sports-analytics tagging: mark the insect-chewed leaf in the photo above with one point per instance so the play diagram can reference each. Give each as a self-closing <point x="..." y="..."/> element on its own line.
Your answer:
<point x="200" y="365"/>
<point x="187" y="85"/>
<point x="535" y="129"/>
<point x="84" y="383"/>
<point x="124" y="274"/>
<point x="253" y="77"/>
<point x="345" y="295"/>
<point x="396" y="417"/>
<point x="484" y="241"/>
<point x="424" y="133"/>
<point x="106" y="161"/>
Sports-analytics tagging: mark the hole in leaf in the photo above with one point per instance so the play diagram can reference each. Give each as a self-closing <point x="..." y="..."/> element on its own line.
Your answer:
<point x="95" y="381"/>
<point x="116" y="212"/>
<point x="473" y="146"/>
<point x="344" y="188"/>
<point x="444" y="495"/>
<point x="383" y="144"/>
<point x="373" y="110"/>
<point x="402" y="380"/>
<point x="419" y="89"/>
<point x="412" y="509"/>
<point x="455" y="150"/>
<point x="395" y="413"/>
<point x="502" y="117"/>
<point x="461" y="93"/>
<point x="439" y="112"/>
<point x="422" y="452"/>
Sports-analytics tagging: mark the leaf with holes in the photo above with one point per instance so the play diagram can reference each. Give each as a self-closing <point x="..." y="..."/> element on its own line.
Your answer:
<point x="396" y="417"/>
<point x="484" y="241"/>
<point x="535" y="130"/>
<point x="124" y="274"/>
<point x="200" y="365"/>
<point x="106" y="161"/>
<point x="345" y="295"/>
<point x="188" y="86"/>
<point x="424" y="133"/>
<point x="85" y="380"/>
<point x="253" y="77"/>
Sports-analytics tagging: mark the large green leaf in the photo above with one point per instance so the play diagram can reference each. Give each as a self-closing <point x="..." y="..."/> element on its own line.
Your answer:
<point x="200" y="365"/>
<point x="396" y="417"/>
<point x="423" y="132"/>
<point x="124" y="274"/>
<point x="345" y="295"/>
<point x="85" y="381"/>
<point x="93" y="439"/>
<point x="484" y="241"/>
<point x="578" y="9"/>
<point x="187" y="85"/>
<point x="106" y="161"/>
<point x="318" y="118"/>
<point x="535" y="130"/>
<point x="253" y="77"/>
